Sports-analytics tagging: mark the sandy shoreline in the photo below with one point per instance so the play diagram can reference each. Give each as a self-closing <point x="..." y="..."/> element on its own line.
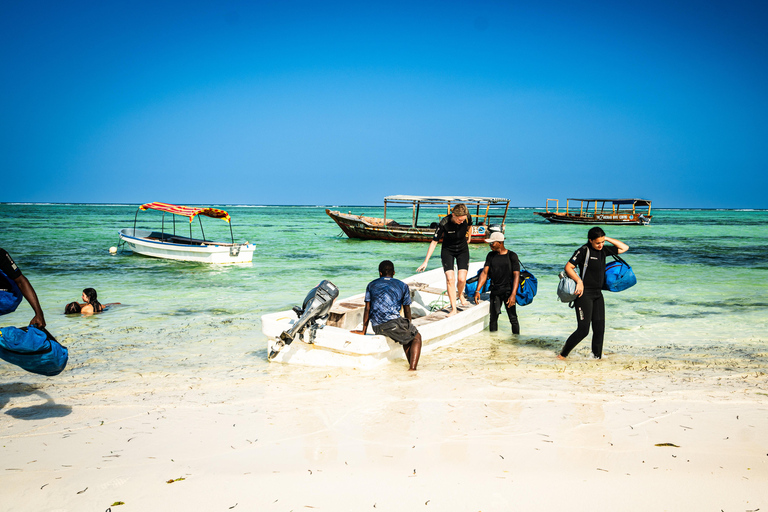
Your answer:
<point x="578" y="436"/>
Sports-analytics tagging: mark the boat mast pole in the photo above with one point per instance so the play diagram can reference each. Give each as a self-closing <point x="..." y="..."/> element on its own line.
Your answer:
<point x="201" y="227"/>
<point x="385" y="213"/>
<point x="504" y="220"/>
<point x="416" y="206"/>
<point x="162" y="228"/>
<point x="231" y="233"/>
<point x="135" y="217"/>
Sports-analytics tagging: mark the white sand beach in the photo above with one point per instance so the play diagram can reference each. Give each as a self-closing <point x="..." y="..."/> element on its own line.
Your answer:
<point x="579" y="435"/>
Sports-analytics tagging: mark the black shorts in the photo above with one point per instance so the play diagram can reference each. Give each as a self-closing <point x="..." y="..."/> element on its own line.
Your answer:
<point x="461" y="258"/>
<point x="400" y="330"/>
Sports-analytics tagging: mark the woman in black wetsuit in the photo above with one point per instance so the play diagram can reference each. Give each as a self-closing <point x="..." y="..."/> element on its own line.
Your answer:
<point x="590" y="306"/>
<point x="454" y="230"/>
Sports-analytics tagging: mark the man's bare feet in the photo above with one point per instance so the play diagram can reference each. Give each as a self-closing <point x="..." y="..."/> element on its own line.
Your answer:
<point x="560" y="357"/>
<point x="453" y="312"/>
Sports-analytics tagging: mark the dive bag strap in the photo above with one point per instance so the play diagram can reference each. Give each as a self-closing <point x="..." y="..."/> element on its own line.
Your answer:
<point x="616" y="257"/>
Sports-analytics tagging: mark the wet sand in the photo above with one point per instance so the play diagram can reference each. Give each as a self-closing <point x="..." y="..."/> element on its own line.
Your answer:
<point x="606" y="435"/>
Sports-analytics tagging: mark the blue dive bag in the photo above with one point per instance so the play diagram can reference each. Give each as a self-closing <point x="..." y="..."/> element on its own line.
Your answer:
<point x="33" y="350"/>
<point x="526" y="291"/>
<point x="9" y="300"/>
<point x="471" y="286"/>
<point x="618" y="275"/>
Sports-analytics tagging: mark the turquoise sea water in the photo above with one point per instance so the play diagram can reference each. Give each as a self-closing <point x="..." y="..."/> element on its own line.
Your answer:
<point x="701" y="296"/>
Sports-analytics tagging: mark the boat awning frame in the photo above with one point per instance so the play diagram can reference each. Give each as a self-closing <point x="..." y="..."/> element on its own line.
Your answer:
<point x="636" y="202"/>
<point x="444" y="199"/>
<point x="186" y="211"/>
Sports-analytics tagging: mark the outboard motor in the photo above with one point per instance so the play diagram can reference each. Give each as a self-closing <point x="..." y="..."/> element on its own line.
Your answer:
<point x="317" y="305"/>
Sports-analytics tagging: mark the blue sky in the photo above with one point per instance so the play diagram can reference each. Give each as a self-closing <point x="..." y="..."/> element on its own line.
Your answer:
<point x="344" y="103"/>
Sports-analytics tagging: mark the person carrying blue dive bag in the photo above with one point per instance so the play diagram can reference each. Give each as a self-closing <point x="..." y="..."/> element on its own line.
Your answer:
<point x="13" y="283"/>
<point x="503" y="268"/>
<point x="589" y="304"/>
<point x="31" y="348"/>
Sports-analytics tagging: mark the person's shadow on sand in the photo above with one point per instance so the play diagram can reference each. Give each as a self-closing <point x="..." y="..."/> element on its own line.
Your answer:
<point x="49" y="409"/>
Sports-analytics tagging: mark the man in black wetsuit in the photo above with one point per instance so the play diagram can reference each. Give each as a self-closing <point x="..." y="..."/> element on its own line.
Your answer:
<point x="10" y="272"/>
<point x="503" y="267"/>
<point x="454" y="230"/>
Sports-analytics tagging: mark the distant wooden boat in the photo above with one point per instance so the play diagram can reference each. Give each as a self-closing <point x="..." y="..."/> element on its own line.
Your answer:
<point x="334" y="344"/>
<point x="488" y="214"/>
<point x="609" y="211"/>
<point x="171" y="246"/>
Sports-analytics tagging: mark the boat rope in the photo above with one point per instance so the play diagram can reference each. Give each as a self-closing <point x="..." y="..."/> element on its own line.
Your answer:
<point x="438" y="303"/>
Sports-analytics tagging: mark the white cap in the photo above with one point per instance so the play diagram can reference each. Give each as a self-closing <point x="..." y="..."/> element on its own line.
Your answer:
<point x="495" y="237"/>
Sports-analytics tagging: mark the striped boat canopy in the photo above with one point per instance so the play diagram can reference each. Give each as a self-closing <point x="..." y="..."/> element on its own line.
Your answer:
<point x="186" y="211"/>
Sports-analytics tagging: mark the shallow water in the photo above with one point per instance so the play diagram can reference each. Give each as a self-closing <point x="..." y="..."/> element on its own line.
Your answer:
<point x="700" y="300"/>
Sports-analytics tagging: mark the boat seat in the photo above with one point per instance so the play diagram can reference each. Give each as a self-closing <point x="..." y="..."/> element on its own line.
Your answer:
<point x="440" y="314"/>
<point x="422" y="287"/>
<point x="347" y="314"/>
<point x="343" y="307"/>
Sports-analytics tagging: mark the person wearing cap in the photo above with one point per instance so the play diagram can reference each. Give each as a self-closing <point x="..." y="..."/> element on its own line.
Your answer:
<point x="454" y="230"/>
<point x="503" y="268"/>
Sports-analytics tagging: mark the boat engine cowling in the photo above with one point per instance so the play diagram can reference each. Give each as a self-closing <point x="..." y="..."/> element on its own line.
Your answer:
<point x="317" y="305"/>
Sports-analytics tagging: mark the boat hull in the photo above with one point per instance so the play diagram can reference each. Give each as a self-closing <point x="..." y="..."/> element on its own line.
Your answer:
<point x="334" y="345"/>
<point x="623" y="219"/>
<point x="372" y="228"/>
<point x="142" y="243"/>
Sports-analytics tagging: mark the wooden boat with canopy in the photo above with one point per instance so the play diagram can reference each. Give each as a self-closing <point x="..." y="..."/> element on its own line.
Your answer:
<point x="488" y="214"/>
<point x="172" y="246"/>
<point x="609" y="211"/>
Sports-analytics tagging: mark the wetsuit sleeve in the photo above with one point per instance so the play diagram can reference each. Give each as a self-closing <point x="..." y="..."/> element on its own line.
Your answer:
<point x="610" y="250"/>
<point x="8" y="266"/>
<point x="440" y="231"/>
<point x="578" y="257"/>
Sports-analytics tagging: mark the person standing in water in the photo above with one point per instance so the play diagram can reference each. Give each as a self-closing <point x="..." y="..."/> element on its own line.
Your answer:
<point x="454" y="230"/>
<point x="503" y="267"/>
<point x="589" y="304"/>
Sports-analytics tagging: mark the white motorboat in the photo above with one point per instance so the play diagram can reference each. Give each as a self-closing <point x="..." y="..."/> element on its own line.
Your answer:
<point x="331" y="343"/>
<point x="160" y="244"/>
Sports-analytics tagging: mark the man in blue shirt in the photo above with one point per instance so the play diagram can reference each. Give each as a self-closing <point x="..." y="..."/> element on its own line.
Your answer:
<point x="383" y="299"/>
